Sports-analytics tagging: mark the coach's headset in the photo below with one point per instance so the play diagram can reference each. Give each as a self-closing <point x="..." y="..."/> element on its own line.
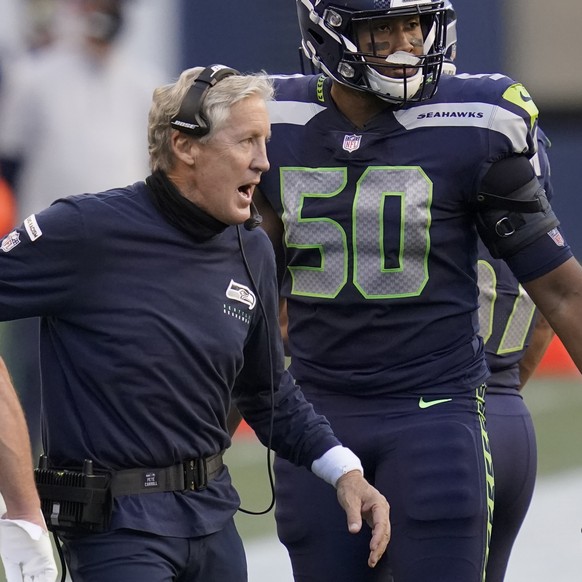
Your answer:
<point x="191" y="121"/>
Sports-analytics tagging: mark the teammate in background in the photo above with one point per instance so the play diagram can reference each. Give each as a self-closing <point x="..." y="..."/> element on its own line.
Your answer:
<point x="158" y="310"/>
<point x="516" y="337"/>
<point x="377" y="189"/>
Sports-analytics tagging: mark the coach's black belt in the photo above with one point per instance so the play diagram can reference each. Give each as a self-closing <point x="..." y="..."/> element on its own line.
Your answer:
<point x="191" y="475"/>
<point x="81" y="501"/>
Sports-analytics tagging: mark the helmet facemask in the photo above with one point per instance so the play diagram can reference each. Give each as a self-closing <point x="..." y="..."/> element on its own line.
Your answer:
<point x="449" y="67"/>
<point x="331" y="40"/>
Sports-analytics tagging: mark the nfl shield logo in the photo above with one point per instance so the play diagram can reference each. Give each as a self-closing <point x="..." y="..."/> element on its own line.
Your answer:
<point x="10" y="241"/>
<point x="352" y="142"/>
<point x="557" y="237"/>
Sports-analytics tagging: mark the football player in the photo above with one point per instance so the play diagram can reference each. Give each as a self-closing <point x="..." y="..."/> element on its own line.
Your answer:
<point x="379" y="184"/>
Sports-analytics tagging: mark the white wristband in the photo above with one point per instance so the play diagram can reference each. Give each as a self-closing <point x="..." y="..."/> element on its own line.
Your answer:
<point x="334" y="463"/>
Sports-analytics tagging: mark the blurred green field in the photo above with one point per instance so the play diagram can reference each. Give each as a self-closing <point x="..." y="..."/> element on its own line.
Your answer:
<point x="555" y="404"/>
<point x="556" y="407"/>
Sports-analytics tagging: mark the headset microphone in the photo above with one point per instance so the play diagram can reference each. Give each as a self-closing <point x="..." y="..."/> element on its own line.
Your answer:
<point x="255" y="219"/>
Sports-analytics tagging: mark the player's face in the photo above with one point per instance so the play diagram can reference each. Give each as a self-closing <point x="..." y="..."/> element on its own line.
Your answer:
<point x="383" y="37"/>
<point x="229" y="166"/>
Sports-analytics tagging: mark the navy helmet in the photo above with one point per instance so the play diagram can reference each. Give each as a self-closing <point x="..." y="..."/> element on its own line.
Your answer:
<point x="449" y="67"/>
<point x="329" y="41"/>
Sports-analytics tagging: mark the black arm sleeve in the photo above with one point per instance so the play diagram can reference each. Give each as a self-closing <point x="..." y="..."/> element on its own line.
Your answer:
<point x="512" y="208"/>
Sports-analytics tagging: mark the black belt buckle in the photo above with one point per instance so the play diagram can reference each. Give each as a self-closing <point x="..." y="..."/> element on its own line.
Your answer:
<point x="195" y="475"/>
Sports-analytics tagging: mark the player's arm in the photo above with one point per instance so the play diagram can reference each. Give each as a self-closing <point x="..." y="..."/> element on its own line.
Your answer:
<point x="517" y="224"/>
<point x="541" y="337"/>
<point x="558" y="295"/>
<point x="542" y="333"/>
<point x="284" y="324"/>
<point x="233" y="419"/>
<point x="273" y="226"/>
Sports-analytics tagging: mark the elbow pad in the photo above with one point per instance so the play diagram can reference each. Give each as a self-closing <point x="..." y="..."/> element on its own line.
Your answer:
<point x="507" y="224"/>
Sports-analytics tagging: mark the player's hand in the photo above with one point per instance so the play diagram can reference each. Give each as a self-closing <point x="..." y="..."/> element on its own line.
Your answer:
<point x="26" y="552"/>
<point x="360" y="500"/>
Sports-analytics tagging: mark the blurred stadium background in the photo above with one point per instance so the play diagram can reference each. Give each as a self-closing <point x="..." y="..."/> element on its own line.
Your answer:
<point x="526" y="39"/>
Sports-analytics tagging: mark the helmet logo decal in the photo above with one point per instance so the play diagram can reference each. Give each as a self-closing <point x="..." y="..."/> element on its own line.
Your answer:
<point x="351" y="142"/>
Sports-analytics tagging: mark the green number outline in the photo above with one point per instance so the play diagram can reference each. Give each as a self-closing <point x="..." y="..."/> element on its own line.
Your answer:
<point x="296" y="218"/>
<point x="522" y="313"/>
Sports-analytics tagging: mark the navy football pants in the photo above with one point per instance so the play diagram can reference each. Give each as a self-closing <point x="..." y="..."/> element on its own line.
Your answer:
<point x="513" y="448"/>
<point x="132" y="556"/>
<point x="433" y="466"/>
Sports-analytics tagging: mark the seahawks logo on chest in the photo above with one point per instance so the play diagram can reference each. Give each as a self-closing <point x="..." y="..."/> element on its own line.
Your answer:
<point x="241" y="294"/>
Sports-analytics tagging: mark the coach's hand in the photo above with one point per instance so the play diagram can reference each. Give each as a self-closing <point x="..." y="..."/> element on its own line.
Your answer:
<point x="360" y="500"/>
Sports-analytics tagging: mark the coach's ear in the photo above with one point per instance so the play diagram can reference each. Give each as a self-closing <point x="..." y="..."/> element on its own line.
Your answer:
<point x="185" y="148"/>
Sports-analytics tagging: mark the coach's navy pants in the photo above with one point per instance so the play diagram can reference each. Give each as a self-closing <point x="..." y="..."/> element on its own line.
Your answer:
<point x="133" y="556"/>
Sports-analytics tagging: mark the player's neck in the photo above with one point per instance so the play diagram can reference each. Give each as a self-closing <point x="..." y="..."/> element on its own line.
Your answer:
<point x="359" y="107"/>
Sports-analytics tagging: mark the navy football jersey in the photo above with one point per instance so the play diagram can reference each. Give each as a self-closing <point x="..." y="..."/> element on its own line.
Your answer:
<point x="506" y="317"/>
<point x="380" y="242"/>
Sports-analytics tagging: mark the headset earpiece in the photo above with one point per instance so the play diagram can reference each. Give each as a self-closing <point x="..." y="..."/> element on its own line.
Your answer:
<point x="190" y="119"/>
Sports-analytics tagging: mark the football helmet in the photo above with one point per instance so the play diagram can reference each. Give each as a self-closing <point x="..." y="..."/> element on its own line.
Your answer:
<point x="329" y="41"/>
<point x="449" y="67"/>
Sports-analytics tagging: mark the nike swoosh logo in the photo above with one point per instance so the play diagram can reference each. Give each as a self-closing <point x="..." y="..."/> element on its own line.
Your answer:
<point x="526" y="98"/>
<point x="422" y="403"/>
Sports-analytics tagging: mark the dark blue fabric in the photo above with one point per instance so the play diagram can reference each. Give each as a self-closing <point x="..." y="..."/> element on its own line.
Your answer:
<point x="507" y="317"/>
<point x="381" y="244"/>
<point x="513" y="448"/>
<point x="143" y="348"/>
<point x="132" y="556"/>
<point x="429" y="463"/>
<point x="381" y="255"/>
